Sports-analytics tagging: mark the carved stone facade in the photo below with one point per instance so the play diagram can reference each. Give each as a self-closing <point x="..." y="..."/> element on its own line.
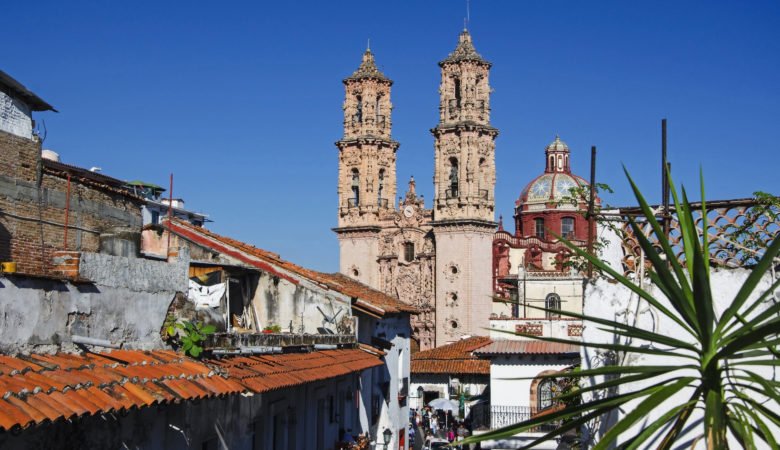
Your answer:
<point x="398" y="249"/>
<point x="464" y="184"/>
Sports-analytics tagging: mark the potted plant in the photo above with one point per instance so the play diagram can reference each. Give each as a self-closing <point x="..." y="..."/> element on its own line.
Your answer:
<point x="272" y="329"/>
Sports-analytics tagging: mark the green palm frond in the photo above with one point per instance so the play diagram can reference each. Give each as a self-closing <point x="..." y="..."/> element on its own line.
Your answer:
<point x="716" y="351"/>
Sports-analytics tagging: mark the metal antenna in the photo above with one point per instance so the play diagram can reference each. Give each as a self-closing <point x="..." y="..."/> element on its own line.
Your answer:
<point x="468" y="14"/>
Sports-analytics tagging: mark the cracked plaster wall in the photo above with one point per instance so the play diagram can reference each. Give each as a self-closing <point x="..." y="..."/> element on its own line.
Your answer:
<point x="126" y="301"/>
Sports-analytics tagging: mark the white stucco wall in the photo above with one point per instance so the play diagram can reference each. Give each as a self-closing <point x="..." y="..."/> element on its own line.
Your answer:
<point x="613" y="301"/>
<point x="15" y="116"/>
<point x="507" y="386"/>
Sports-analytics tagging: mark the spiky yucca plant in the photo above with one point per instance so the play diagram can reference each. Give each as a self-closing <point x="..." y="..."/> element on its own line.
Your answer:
<point x="720" y="352"/>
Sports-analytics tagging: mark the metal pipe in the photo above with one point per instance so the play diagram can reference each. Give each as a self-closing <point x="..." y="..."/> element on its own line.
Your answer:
<point x="664" y="181"/>
<point x="591" y="206"/>
<point x="67" y="214"/>
<point x="170" y="213"/>
<point x="83" y="340"/>
<point x="325" y="347"/>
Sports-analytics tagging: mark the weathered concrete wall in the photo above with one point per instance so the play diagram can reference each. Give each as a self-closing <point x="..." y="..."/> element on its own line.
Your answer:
<point x="280" y="302"/>
<point x="136" y="274"/>
<point x="126" y="302"/>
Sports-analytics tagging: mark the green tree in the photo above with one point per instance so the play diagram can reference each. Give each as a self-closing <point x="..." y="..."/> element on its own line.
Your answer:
<point x="720" y="352"/>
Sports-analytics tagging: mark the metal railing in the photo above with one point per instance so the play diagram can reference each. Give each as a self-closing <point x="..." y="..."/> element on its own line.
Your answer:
<point x="451" y="193"/>
<point x="501" y="415"/>
<point x="352" y="202"/>
<point x="483" y="194"/>
<point x="382" y="202"/>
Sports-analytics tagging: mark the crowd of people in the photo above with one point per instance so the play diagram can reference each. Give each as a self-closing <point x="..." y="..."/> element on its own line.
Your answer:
<point x="436" y="425"/>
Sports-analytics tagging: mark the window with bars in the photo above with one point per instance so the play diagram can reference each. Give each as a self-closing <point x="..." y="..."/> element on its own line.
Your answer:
<point x="552" y="301"/>
<point x="545" y="392"/>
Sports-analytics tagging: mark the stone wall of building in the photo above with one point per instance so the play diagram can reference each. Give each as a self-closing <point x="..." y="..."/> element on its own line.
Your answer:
<point x="33" y="202"/>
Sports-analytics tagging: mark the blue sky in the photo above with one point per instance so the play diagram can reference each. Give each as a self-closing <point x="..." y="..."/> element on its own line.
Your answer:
<point x="242" y="100"/>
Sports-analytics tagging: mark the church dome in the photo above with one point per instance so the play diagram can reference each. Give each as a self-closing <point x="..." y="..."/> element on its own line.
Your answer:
<point x="550" y="187"/>
<point x="557" y="180"/>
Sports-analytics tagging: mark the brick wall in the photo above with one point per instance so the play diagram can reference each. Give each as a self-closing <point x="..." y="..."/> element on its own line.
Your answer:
<point x="33" y="203"/>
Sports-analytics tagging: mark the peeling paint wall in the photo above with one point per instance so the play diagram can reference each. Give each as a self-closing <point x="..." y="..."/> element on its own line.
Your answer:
<point x="126" y="302"/>
<point x="280" y="302"/>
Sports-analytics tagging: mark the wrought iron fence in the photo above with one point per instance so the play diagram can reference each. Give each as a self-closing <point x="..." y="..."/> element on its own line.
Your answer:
<point x="736" y="228"/>
<point x="502" y="415"/>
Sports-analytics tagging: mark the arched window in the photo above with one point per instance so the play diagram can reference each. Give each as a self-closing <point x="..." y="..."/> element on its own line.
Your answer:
<point x="545" y="393"/>
<point x="539" y="227"/>
<point x="453" y="190"/>
<point x="552" y="301"/>
<point x="567" y="227"/>
<point x="381" y="188"/>
<point x="355" y="200"/>
<point x="483" y="180"/>
<point x="552" y="163"/>
<point x="409" y="251"/>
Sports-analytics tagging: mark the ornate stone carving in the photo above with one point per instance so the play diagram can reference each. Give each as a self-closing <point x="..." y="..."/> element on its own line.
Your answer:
<point x="407" y="284"/>
<point x="451" y="271"/>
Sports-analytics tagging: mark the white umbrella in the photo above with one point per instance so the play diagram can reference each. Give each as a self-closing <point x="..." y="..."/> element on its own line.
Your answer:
<point x="444" y="404"/>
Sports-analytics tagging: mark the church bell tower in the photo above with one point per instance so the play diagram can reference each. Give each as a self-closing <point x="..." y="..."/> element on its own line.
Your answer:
<point x="367" y="176"/>
<point x="464" y="184"/>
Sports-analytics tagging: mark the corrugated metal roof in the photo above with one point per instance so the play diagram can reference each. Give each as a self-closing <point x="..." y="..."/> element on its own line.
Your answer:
<point x="45" y="388"/>
<point x="455" y="358"/>
<point x="518" y="347"/>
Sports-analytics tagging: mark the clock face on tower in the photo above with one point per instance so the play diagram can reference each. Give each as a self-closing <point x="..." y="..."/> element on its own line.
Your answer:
<point x="408" y="211"/>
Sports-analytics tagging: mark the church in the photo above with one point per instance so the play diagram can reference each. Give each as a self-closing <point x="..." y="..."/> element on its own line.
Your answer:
<point x="445" y="259"/>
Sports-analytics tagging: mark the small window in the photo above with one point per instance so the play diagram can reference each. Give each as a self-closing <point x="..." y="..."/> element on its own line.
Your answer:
<point x="155" y="217"/>
<point x="409" y="251"/>
<point x="545" y="393"/>
<point x="567" y="227"/>
<point x="381" y="188"/>
<point x="355" y="273"/>
<point x="454" y="270"/>
<point x="355" y="200"/>
<point x="552" y="301"/>
<point x="452" y="192"/>
<point x="539" y="228"/>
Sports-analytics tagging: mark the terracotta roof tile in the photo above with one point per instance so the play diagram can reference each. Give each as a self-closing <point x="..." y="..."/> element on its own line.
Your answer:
<point x="64" y="386"/>
<point x="380" y="302"/>
<point x="455" y="358"/>
<point x="519" y="347"/>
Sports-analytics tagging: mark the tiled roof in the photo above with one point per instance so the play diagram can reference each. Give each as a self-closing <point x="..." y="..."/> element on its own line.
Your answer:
<point x="518" y="347"/>
<point x="262" y="373"/>
<point x="45" y="388"/>
<point x="455" y="358"/>
<point x="379" y="302"/>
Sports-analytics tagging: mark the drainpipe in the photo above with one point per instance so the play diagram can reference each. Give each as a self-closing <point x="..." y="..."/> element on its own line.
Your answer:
<point x="67" y="214"/>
